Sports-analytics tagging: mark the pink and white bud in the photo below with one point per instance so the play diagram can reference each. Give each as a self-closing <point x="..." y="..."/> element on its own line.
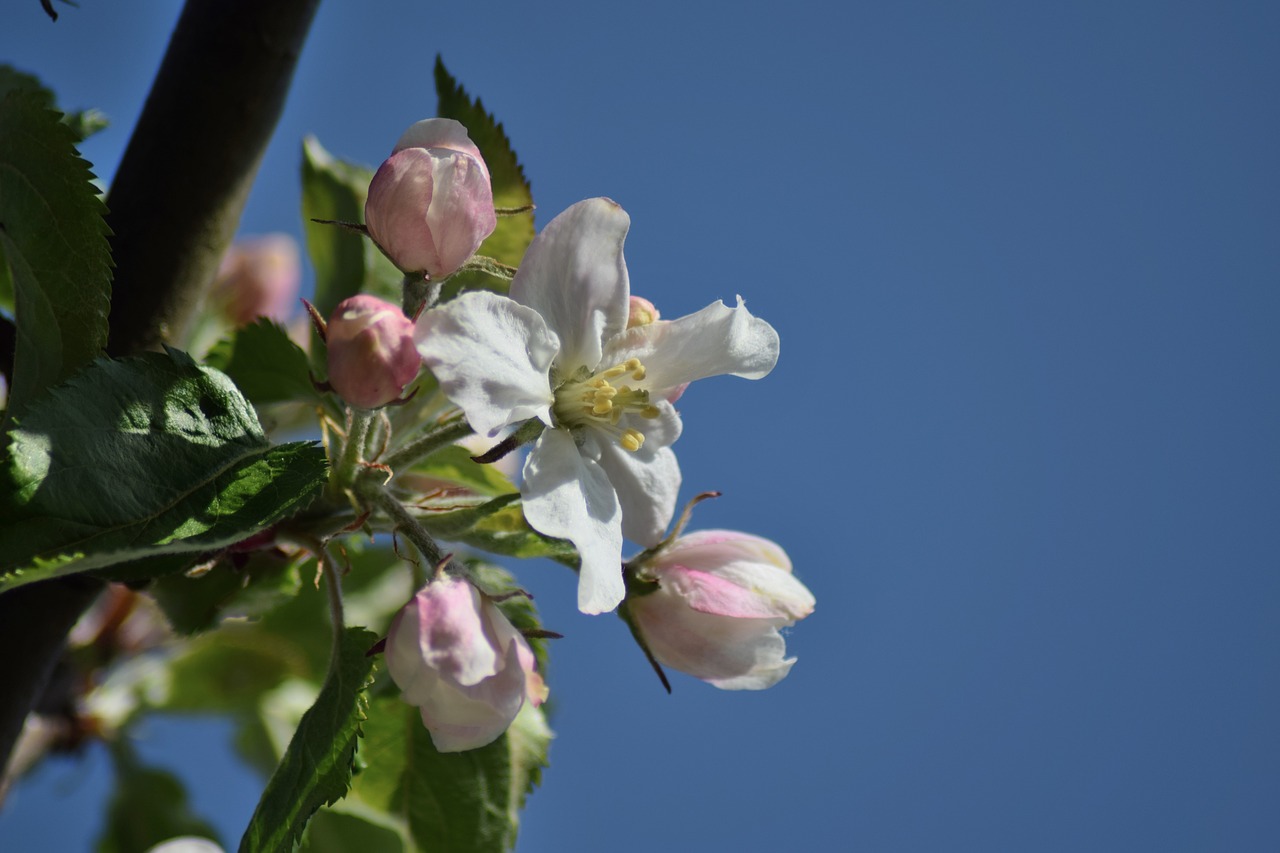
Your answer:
<point x="456" y="657"/>
<point x="372" y="356"/>
<point x="430" y="204"/>
<point x="259" y="277"/>
<point x="722" y="597"/>
<point x="640" y="312"/>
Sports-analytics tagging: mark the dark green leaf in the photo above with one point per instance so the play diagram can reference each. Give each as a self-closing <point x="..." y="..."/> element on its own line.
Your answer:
<point x="346" y="263"/>
<point x="510" y="187"/>
<point x="316" y="769"/>
<point x="147" y="806"/>
<point x="139" y="457"/>
<point x="499" y="527"/>
<point x="53" y="241"/>
<point x="461" y="802"/>
<point x="265" y="364"/>
<point x="233" y="588"/>
<point x="11" y="79"/>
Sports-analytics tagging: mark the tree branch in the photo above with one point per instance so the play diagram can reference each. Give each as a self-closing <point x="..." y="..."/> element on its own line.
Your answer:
<point x="178" y="194"/>
<point x="174" y="206"/>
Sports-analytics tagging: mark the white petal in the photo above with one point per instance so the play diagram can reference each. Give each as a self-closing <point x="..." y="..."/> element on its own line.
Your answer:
<point x="732" y="654"/>
<point x="716" y="340"/>
<point x="491" y="357"/>
<point x="569" y="496"/>
<point x="574" y="275"/>
<point x="648" y="480"/>
<point x="440" y="133"/>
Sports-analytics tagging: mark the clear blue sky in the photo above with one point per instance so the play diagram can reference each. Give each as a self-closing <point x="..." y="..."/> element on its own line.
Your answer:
<point x="1023" y="442"/>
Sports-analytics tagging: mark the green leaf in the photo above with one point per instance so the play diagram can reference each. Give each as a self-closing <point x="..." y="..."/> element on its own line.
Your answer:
<point x="461" y="802"/>
<point x="499" y="527"/>
<point x="346" y="262"/>
<point x="147" y="806"/>
<point x="265" y="364"/>
<point x="510" y="187"/>
<point x="53" y="241"/>
<point x="11" y="79"/>
<point x="261" y="582"/>
<point x="140" y="457"/>
<point x="350" y="826"/>
<point x="453" y="465"/>
<point x="316" y="769"/>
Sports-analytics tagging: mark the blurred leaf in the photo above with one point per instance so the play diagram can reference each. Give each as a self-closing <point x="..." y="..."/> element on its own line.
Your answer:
<point x="499" y="527"/>
<point x="141" y="457"/>
<point x="510" y="187"/>
<point x="85" y="123"/>
<point x="345" y="827"/>
<point x="11" y="79"/>
<point x="453" y="465"/>
<point x="147" y="806"/>
<point x="316" y="768"/>
<point x="265" y="364"/>
<point x="53" y="242"/>
<point x="233" y="588"/>
<point x="346" y="263"/>
<point x="461" y="802"/>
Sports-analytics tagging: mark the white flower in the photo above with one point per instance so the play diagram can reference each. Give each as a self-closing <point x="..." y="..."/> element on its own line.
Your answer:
<point x="559" y="350"/>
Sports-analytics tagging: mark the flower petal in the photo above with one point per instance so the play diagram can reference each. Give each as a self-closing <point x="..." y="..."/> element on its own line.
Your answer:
<point x="440" y="133"/>
<point x="491" y="357"/>
<point x="461" y="718"/>
<point x="647" y="480"/>
<point x="574" y="275"/>
<point x="732" y="654"/>
<point x="461" y="214"/>
<point x="570" y="496"/>
<point x="714" y="341"/>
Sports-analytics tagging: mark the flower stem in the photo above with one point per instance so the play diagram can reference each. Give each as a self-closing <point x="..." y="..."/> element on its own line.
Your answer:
<point x="447" y="433"/>
<point x="408" y="525"/>
<point x="344" y="473"/>
<point x="420" y="293"/>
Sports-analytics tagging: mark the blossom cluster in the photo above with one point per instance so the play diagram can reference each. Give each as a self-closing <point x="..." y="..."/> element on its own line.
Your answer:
<point x="570" y="356"/>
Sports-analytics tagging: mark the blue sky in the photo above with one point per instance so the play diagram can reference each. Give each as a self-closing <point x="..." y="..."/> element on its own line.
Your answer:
<point x="1024" y="438"/>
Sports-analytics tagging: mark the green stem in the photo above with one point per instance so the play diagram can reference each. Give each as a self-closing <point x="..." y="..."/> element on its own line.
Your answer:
<point x="344" y="473"/>
<point x="333" y="583"/>
<point x="420" y="293"/>
<point x="420" y="448"/>
<point x="407" y="525"/>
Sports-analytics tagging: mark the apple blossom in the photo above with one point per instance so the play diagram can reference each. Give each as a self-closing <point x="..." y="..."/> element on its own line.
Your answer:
<point x="721" y="598"/>
<point x="456" y="656"/>
<point x="430" y="204"/>
<point x="559" y="350"/>
<point x="371" y="354"/>
<point x="259" y="277"/>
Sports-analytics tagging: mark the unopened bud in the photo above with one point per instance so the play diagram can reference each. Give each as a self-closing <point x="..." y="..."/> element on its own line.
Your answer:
<point x="456" y="657"/>
<point x="259" y="277"/>
<point x="430" y="204"/>
<point x="371" y="352"/>
<point x="641" y="312"/>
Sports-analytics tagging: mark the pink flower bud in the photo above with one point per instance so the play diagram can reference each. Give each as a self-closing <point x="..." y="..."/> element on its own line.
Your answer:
<point x="259" y="277"/>
<point x="430" y="204"/>
<point x="721" y="598"/>
<point x="371" y="351"/>
<point x="640" y="312"/>
<point x="455" y="655"/>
